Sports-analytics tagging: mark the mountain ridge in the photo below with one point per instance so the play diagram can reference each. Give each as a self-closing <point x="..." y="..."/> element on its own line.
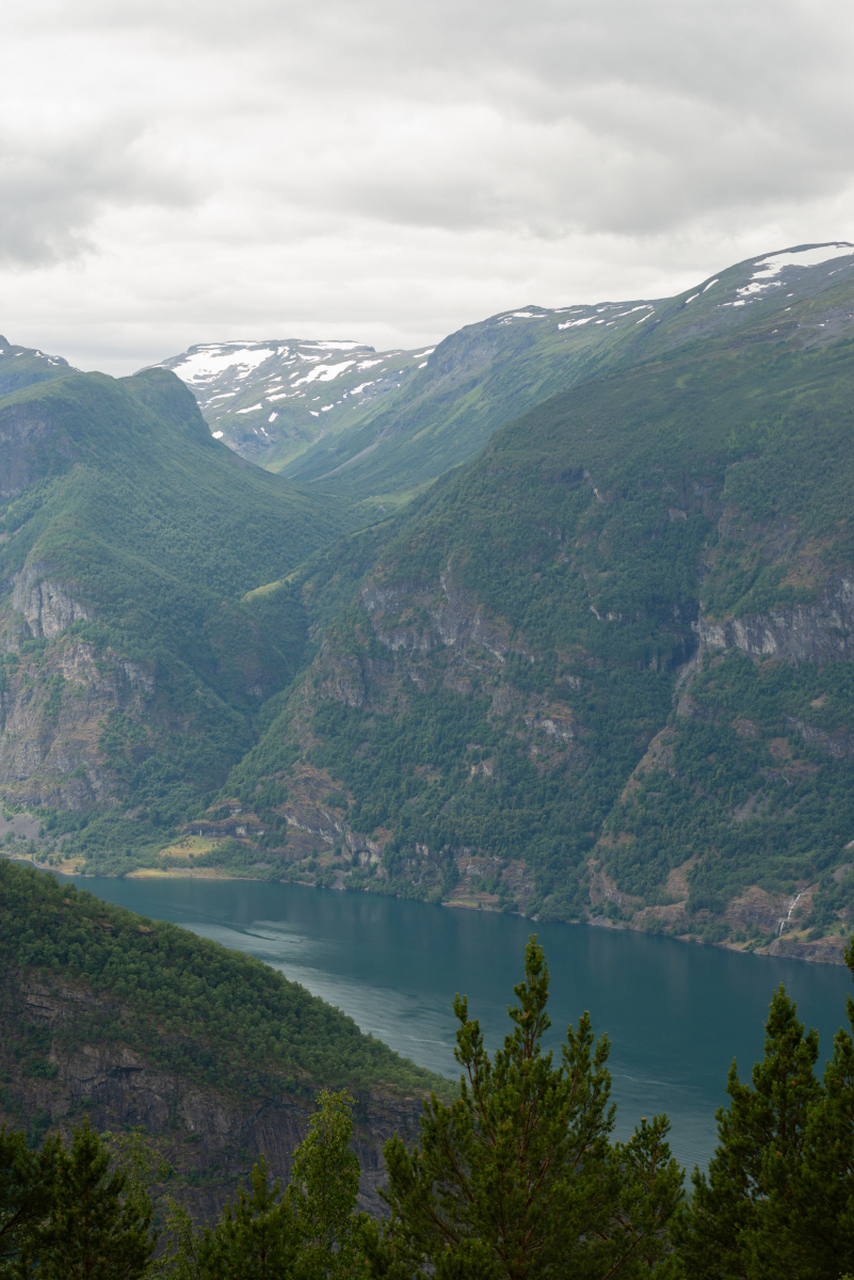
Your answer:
<point x="443" y="411"/>
<point x="599" y="671"/>
<point x="492" y="707"/>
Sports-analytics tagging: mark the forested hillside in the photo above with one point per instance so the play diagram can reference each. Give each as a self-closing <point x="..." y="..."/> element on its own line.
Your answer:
<point x="600" y="672"/>
<point x="604" y="671"/>
<point x="131" y="668"/>
<point x="137" y="1022"/>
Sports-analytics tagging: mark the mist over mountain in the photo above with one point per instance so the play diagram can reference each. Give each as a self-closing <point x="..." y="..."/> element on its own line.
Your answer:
<point x="596" y="665"/>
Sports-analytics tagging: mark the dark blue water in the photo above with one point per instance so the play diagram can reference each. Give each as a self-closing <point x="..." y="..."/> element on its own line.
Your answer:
<point x="676" y="1015"/>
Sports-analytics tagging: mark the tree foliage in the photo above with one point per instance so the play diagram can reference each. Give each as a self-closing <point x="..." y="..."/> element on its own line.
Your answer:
<point x="518" y="1178"/>
<point x="778" y="1200"/>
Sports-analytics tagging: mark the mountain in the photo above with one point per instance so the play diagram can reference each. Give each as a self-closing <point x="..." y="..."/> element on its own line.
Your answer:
<point x="434" y="409"/>
<point x="22" y="366"/>
<point x="603" y="671"/>
<point x="131" y="668"/>
<point x="218" y="1057"/>
<point x="599" y="671"/>
<point x="269" y="401"/>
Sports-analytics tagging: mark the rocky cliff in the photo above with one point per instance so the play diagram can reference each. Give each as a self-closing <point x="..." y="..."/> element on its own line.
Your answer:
<point x="603" y="673"/>
<point x="210" y="1138"/>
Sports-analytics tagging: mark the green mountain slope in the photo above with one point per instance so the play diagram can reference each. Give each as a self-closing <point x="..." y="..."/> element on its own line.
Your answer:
<point x="131" y="668"/>
<point x="487" y="374"/>
<point x="140" y="1023"/>
<point x="22" y="366"/>
<point x="270" y="401"/>
<point x="377" y="427"/>
<point x="603" y="671"/>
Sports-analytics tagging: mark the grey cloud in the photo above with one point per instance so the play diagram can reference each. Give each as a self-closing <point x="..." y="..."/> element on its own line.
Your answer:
<point x="54" y="184"/>
<point x="621" y="117"/>
<point x="370" y="159"/>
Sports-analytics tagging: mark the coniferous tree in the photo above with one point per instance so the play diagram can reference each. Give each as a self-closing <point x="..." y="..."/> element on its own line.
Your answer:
<point x="322" y="1194"/>
<point x="821" y="1233"/>
<point x="518" y="1179"/>
<point x="754" y="1216"/>
<point x="26" y="1190"/>
<point x="310" y="1233"/>
<point x="254" y="1239"/>
<point x="95" y="1230"/>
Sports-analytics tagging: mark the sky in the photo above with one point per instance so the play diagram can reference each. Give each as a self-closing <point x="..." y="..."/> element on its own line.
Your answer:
<point x="386" y="172"/>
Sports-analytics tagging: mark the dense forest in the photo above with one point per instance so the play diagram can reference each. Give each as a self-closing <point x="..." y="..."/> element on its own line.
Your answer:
<point x="530" y="700"/>
<point x="183" y="1001"/>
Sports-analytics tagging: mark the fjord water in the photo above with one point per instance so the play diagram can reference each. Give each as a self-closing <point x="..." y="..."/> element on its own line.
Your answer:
<point x="676" y="1015"/>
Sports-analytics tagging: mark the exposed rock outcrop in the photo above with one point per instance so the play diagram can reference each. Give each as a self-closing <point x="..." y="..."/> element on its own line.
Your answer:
<point x="195" y="1126"/>
<point x="28" y="433"/>
<point x="47" y="608"/>
<point x="814" y="632"/>
<point x="52" y="716"/>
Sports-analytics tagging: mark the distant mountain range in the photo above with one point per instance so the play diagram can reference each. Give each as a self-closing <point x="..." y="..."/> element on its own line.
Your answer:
<point x="556" y="617"/>
<point x="382" y="426"/>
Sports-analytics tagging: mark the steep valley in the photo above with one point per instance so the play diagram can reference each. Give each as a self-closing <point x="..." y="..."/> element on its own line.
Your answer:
<point x="604" y="671"/>
<point x="598" y="670"/>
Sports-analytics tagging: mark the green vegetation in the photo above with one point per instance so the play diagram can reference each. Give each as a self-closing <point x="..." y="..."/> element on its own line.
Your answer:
<point x="311" y="1232"/>
<point x="67" y="1215"/>
<point x="747" y="791"/>
<point x="157" y="532"/>
<point x="184" y="1002"/>
<point x="591" y="534"/>
<point x="501" y="669"/>
<point x="779" y="1195"/>
<point x="517" y="1178"/>
<point x="23" y="366"/>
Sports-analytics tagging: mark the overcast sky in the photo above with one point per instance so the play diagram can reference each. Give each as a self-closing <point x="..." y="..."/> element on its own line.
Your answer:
<point x="387" y="171"/>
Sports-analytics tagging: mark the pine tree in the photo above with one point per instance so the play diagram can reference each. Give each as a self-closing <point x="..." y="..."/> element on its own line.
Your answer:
<point x="750" y="1215"/>
<point x="253" y="1239"/>
<point x="95" y="1230"/>
<point x="518" y="1179"/>
<point x="26" y="1190"/>
<point x="821" y="1234"/>
<point x="310" y="1233"/>
<point x="322" y="1194"/>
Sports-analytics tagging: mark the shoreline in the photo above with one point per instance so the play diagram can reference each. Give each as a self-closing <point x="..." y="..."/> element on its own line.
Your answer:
<point x="824" y="951"/>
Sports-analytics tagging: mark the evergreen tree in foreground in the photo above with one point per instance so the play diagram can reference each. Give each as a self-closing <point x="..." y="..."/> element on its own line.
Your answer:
<point x="518" y="1179"/>
<point x="778" y="1200"/>
<point x="96" y="1229"/>
<point x="309" y="1233"/>
<point x="27" y="1181"/>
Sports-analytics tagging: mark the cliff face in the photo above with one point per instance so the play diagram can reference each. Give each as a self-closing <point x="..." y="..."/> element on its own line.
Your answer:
<point x="131" y="664"/>
<point x="820" y="631"/>
<point x="32" y="441"/>
<point x="210" y="1138"/>
<point x="603" y="673"/>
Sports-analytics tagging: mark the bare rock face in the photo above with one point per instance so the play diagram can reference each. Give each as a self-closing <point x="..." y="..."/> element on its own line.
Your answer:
<point x="27" y="433"/>
<point x="195" y="1126"/>
<point x="815" y="632"/>
<point x="46" y="607"/>
<point x="824" y="951"/>
<point x="417" y="617"/>
<point x="56" y="699"/>
<point x="52" y="716"/>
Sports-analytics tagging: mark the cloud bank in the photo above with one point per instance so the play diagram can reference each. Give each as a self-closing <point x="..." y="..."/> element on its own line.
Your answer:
<point x="386" y="172"/>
